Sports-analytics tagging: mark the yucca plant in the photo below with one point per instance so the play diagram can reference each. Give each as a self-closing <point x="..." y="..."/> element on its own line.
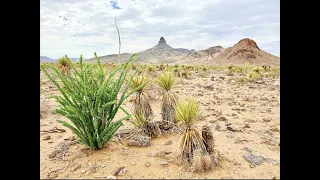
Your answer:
<point x="187" y="113"/>
<point x="138" y="119"/>
<point x="166" y="81"/>
<point x="141" y="102"/>
<point x="64" y="64"/>
<point x="90" y="100"/>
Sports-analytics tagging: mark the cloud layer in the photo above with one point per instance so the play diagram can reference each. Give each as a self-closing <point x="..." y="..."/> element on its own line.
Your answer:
<point x="75" y="27"/>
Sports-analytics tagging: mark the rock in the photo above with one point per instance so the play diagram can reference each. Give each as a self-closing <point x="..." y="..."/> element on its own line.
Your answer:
<point x="246" y="126"/>
<point x="233" y="114"/>
<point x="247" y="149"/>
<point x="251" y="158"/>
<point x="103" y="165"/>
<point x="83" y="171"/>
<point x="140" y="141"/>
<point x="46" y="137"/>
<point x="111" y="177"/>
<point x="271" y="161"/>
<point x="212" y="78"/>
<point x="119" y="171"/>
<point x="71" y="138"/>
<point x="168" y="142"/>
<point x="249" y="121"/>
<point x="209" y="87"/>
<point x="266" y="119"/>
<point x="230" y="135"/>
<point x="53" y="153"/>
<point x="200" y="94"/>
<point x="164" y="163"/>
<point x="275" y="129"/>
<point x="53" y="175"/>
<point x="222" y="118"/>
<point x="252" y="165"/>
<point x="243" y="109"/>
<point x="217" y="127"/>
<point x="73" y="168"/>
<point x="147" y="164"/>
<point x="212" y="121"/>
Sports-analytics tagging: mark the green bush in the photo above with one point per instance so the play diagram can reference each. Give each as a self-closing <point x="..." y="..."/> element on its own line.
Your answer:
<point x="89" y="100"/>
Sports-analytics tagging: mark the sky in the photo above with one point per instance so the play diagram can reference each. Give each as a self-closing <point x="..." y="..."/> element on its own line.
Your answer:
<point x="75" y="27"/>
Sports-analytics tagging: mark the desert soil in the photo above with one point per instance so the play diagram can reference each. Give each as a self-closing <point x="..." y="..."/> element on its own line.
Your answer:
<point x="251" y="110"/>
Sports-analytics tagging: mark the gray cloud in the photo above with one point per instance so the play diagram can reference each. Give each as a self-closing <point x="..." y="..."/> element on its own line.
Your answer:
<point x="183" y="23"/>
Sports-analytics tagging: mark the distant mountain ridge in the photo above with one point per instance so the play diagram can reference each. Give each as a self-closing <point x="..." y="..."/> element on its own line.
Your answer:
<point x="246" y="50"/>
<point x="47" y="59"/>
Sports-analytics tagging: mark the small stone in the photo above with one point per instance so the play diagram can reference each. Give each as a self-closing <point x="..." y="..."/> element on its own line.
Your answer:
<point x="272" y="161"/>
<point x="230" y="135"/>
<point x="164" y="163"/>
<point x="168" y="142"/>
<point x="247" y="149"/>
<point x="53" y="154"/>
<point x="133" y="163"/>
<point x="212" y="121"/>
<point x="111" y="177"/>
<point x="217" y="127"/>
<point x="243" y="109"/>
<point x="275" y="129"/>
<point x="233" y="114"/>
<point x="119" y="171"/>
<point x="71" y="138"/>
<point x="252" y="165"/>
<point x="46" y="137"/>
<point x="53" y="175"/>
<point x="246" y="126"/>
<point x="249" y="121"/>
<point x="83" y="171"/>
<point x="147" y="164"/>
<point x="103" y="165"/>
<point x="222" y="118"/>
<point x="75" y="167"/>
<point x="266" y="119"/>
<point x="257" y="160"/>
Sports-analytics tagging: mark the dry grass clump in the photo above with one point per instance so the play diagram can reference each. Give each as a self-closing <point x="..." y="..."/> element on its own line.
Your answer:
<point x="166" y="82"/>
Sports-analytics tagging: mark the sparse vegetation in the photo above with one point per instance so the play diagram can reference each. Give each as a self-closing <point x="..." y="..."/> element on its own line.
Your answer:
<point x="141" y="102"/>
<point x="166" y="81"/>
<point x="187" y="112"/>
<point x="89" y="101"/>
<point x="64" y="64"/>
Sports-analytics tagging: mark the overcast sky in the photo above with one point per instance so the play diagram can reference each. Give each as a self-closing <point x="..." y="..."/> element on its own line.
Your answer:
<point x="75" y="27"/>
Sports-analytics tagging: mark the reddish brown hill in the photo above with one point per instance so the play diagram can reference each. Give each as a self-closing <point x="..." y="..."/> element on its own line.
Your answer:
<point x="246" y="50"/>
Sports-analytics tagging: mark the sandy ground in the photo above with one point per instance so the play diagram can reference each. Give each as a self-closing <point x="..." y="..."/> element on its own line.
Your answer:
<point x="252" y="109"/>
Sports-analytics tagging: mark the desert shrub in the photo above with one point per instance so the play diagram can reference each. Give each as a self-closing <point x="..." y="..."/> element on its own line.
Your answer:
<point x="151" y="69"/>
<point x="161" y="67"/>
<point x="64" y="64"/>
<point x="176" y="66"/>
<point x="253" y="75"/>
<point x="89" y="100"/>
<point x="138" y="119"/>
<point x="187" y="113"/>
<point x="184" y="74"/>
<point x="141" y="102"/>
<point x="166" y="81"/>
